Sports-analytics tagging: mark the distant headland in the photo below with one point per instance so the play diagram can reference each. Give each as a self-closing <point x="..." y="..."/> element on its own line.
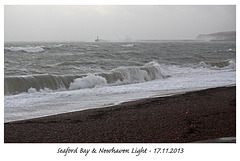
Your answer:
<point x="219" y="36"/>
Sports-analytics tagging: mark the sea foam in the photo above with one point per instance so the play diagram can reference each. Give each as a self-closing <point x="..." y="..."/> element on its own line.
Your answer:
<point x="90" y="81"/>
<point x="28" y="49"/>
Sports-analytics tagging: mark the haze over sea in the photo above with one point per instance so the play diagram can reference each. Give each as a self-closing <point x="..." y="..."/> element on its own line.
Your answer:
<point x="46" y="78"/>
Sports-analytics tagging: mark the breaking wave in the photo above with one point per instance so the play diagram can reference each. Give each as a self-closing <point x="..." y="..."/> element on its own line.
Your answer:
<point x="19" y="84"/>
<point x="28" y="49"/>
<point x="228" y="64"/>
<point x="118" y="76"/>
<point x="90" y="81"/>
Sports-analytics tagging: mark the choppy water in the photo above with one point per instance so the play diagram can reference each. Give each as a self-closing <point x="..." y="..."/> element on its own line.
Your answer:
<point x="49" y="78"/>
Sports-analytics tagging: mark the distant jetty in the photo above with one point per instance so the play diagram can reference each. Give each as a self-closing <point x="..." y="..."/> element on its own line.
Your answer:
<point x="219" y="36"/>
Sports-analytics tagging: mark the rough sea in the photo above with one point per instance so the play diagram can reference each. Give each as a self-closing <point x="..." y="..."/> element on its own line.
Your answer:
<point x="46" y="78"/>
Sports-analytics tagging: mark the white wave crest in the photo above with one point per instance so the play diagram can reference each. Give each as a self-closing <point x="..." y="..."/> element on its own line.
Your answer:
<point x="128" y="45"/>
<point x="28" y="49"/>
<point x="148" y="72"/>
<point x="58" y="45"/>
<point x="228" y="64"/>
<point x="90" y="81"/>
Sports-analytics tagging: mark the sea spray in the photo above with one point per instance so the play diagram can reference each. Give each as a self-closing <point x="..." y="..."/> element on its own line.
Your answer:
<point x="90" y="81"/>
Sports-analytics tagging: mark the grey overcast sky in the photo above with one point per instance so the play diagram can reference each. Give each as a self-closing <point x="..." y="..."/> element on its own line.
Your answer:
<point x="116" y="23"/>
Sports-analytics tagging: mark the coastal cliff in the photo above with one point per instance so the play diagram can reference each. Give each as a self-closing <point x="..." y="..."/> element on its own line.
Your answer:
<point x="219" y="36"/>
